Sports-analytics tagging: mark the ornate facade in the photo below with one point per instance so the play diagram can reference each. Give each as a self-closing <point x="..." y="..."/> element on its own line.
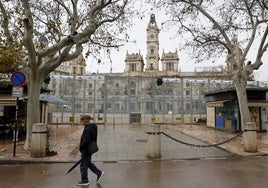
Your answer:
<point x="134" y="62"/>
<point x="135" y="95"/>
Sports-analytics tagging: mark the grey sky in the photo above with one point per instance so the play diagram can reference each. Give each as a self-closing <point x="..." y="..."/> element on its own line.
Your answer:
<point x="138" y="34"/>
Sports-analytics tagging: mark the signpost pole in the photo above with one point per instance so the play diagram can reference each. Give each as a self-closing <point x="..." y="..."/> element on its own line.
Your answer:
<point x="16" y="126"/>
<point x="17" y="79"/>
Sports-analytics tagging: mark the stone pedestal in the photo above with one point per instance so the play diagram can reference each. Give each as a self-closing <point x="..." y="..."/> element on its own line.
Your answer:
<point x="154" y="141"/>
<point x="250" y="137"/>
<point x="39" y="140"/>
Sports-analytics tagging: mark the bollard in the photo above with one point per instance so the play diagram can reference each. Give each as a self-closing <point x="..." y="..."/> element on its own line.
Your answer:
<point x="39" y="140"/>
<point x="250" y="137"/>
<point x="154" y="141"/>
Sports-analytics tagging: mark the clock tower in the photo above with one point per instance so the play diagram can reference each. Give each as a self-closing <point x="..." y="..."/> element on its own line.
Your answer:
<point x="152" y="56"/>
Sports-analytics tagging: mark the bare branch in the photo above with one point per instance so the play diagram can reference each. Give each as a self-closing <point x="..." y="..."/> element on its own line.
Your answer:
<point x="5" y="23"/>
<point x="28" y="35"/>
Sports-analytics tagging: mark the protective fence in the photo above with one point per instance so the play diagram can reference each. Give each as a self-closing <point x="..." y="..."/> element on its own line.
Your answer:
<point x="128" y="100"/>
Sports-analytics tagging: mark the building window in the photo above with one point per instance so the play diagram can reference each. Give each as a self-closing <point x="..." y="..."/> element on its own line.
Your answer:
<point x="117" y="85"/>
<point x="90" y="107"/>
<point x="170" y="66"/>
<point x="74" y="70"/>
<point x="90" y="85"/>
<point x="82" y="71"/>
<point x="187" y="108"/>
<point x="132" y="92"/>
<point x="152" y="51"/>
<point x="187" y="93"/>
<point x="133" y="67"/>
<point x="133" y="106"/>
<point x="149" y="107"/>
<point x="78" y="107"/>
<point x="132" y="85"/>
<point x="1" y="110"/>
<point x="117" y="107"/>
<point x="195" y="106"/>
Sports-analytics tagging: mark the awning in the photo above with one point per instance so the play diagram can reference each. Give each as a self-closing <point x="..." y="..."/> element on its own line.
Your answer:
<point x="259" y="104"/>
<point x="51" y="99"/>
<point x="221" y="103"/>
<point x="8" y="103"/>
<point x="8" y="100"/>
<point x="216" y="103"/>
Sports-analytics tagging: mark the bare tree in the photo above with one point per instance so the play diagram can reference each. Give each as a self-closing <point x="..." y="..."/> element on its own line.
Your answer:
<point x="211" y="29"/>
<point x="55" y="31"/>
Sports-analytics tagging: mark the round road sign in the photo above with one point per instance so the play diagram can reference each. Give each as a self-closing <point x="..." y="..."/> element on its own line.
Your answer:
<point x="17" y="78"/>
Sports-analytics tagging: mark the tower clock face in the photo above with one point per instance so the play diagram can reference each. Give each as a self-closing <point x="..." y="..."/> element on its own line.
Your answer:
<point x="152" y="36"/>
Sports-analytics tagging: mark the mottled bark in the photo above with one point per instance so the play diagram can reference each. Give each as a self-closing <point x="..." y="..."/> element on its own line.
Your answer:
<point x="242" y="101"/>
<point x="33" y="106"/>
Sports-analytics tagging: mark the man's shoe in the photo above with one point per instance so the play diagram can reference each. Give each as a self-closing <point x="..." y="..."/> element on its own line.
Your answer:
<point x="82" y="183"/>
<point x="99" y="177"/>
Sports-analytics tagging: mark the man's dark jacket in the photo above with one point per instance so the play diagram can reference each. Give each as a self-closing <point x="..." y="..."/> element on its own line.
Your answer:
<point x="89" y="134"/>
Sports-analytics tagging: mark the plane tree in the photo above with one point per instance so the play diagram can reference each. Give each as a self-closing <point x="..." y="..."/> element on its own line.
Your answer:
<point x="50" y="32"/>
<point x="212" y="29"/>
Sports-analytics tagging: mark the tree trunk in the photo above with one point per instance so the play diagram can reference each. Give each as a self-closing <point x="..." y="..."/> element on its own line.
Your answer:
<point x="242" y="101"/>
<point x="33" y="106"/>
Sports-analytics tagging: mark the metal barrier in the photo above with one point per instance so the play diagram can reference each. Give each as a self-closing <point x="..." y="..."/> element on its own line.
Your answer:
<point x="206" y="145"/>
<point x="122" y="119"/>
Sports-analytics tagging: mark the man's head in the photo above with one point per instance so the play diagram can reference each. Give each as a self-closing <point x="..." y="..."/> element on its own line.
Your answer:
<point x="85" y="119"/>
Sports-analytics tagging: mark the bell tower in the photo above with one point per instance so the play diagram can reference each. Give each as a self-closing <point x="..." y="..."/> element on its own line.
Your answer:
<point x="152" y="55"/>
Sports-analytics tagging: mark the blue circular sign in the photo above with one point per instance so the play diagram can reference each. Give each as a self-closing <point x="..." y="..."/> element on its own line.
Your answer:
<point x="18" y="78"/>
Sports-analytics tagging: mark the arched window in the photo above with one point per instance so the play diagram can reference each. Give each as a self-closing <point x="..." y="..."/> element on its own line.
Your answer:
<point x="132" y="85"/>
<point x="170" y="66"/>
<point x="187" y="92"/>
<point x="133" y="67"/>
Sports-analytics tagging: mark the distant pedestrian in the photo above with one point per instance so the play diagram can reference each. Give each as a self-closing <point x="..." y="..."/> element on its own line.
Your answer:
<point x="89" y="134"/>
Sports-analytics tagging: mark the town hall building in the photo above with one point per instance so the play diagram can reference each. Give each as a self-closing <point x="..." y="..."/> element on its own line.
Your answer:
<point x="142" y="93"/>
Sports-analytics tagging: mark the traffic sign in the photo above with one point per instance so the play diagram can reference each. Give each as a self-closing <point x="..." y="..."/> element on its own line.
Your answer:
<point x="17" y="91"/>
<point x="17" y="78"/>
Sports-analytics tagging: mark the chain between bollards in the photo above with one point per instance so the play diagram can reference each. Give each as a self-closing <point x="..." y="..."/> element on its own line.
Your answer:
<point x="197" y="145"/>
<point x="48" y="151"/>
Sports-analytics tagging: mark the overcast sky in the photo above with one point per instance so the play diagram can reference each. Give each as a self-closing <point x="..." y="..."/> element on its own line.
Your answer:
<point x="138" y="34"/>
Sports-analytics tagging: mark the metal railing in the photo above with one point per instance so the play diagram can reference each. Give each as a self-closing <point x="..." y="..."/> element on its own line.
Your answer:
<point x="124" y="100"/>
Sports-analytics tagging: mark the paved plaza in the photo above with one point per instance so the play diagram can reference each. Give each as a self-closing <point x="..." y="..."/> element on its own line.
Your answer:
<point x="129" y="143"/>
<point x="121" y="143"/>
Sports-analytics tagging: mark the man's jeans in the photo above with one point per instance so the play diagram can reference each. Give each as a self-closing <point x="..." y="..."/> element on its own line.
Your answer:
<point x="85" y="164"/>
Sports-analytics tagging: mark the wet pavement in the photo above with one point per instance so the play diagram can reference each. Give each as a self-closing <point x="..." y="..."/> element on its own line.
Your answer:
<point x="234" y="172"/>
<point x="122" y="156"/>
<point x="127" y="143"/>
<point x="130" y="144"/>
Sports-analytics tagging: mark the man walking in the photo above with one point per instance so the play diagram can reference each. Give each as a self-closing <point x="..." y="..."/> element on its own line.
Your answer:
<point x="89" y="134"/>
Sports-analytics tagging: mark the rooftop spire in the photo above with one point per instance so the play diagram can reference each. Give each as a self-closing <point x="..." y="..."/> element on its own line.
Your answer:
<point x="152" y="20"/>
